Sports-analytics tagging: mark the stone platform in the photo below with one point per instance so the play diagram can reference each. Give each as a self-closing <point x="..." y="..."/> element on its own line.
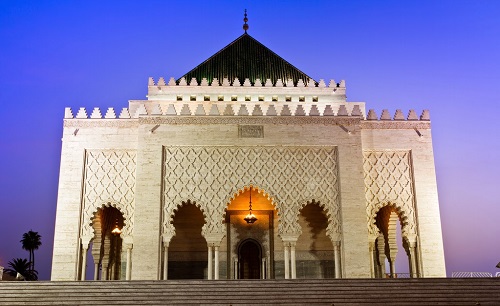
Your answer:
<point x="436" y="291"/>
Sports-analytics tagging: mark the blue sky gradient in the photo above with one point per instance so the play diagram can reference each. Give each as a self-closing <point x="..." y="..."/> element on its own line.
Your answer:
<point x="438" y="55"/>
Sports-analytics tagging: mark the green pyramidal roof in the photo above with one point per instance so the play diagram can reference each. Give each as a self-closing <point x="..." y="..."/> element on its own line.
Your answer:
<point x="246" y="58"/>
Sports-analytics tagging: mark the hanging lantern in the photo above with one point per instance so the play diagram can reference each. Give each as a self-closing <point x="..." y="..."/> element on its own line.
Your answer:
<point x="116" y="230"/>
<point x="250" y="217"/>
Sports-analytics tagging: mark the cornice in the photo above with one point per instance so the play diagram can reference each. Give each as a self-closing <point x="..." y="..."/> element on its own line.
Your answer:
<point x="84" y="123"/>
<point x="394" y="125"/>
<point x="236" y="120"/>
<point x="189" y="120"/>
<point x="204" y="120"/>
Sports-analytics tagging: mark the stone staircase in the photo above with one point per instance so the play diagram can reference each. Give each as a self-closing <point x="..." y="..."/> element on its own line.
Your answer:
<point x="428" y="291"/>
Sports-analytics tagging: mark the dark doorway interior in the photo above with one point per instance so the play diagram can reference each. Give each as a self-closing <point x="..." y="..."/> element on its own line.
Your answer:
<point x="249" y="259"/>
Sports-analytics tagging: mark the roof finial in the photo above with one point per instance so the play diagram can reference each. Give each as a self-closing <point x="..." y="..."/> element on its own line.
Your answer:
<point x="245" y="26"/>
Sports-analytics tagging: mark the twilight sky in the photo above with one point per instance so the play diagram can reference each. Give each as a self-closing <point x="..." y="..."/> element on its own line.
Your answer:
<point x="439" y="55"/>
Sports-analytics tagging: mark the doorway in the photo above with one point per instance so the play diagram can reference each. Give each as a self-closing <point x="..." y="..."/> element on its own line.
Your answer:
<point x="250" y="258"/>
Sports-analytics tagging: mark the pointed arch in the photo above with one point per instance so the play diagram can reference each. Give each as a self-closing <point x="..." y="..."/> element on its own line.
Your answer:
<point x="106" y="245"/>
<point x="169" y="229"/>
<point x="187" y="249"/>
<point x="315" y="246"/>
<point x="88" y="229"/>
<point x="187" y="202"/>
<point x="408" y="224"/>
<point x="386" y="246"/>
<point x="246" y="188"/>
<point x="333" y="229"/>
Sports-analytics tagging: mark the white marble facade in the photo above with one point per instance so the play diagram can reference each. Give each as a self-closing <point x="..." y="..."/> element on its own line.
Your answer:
<point x="160" y="190"/>
<point x="205" y="144"/>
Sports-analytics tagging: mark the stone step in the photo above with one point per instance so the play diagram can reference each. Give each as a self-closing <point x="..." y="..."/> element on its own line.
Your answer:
<point x="485" y="291"/>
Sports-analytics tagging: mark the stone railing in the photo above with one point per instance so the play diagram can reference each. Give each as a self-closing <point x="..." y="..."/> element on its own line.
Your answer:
<point x="400" y="275"/>
<point x="471" y="274"/>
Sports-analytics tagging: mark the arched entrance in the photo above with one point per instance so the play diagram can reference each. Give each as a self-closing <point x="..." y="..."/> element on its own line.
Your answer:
<point x="188" y="248"/>
<point x="106" y="247"/>
<point x="252" y="243"/>
<point x="314" y="247"/>
<point x="388" y="243"/>
<point x="250" y="259"/>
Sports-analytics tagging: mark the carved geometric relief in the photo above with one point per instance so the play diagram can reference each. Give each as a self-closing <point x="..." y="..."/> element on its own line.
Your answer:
<point x="389" y="181"/>
<point x="109" y="181"/>
<point x="212" y="175"/>
<point x="251" y="131"/>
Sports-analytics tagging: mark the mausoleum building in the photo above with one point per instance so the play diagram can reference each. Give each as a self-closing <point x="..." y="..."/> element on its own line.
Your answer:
<point x="246" y="167"/>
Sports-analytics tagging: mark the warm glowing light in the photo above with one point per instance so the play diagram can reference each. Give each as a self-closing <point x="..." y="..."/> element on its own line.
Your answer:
<point x="116" y="230"/>
<point x="250" y="218"/>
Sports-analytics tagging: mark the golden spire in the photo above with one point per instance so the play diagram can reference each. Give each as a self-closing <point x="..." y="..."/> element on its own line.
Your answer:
<point x="245" y="26"/>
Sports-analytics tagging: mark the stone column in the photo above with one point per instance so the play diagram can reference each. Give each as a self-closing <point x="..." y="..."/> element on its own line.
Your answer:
<point x="112" y="266"/>
<point x="165" y="262"/>
<point x="412" y="245"/>
<point x="289" y="241"/>
<point x="336" y="238"/>
<point x="268" y="266"/>
<point x="287" y="260"/>
<point x="216" y="267"/>
<point x="336" y="253"/>
<point x="84" y="262"/>
<point x="393" y="268"/>
<point x="418" y="259"/>
<point x="210" y="262"/>
<point x="235" y="268"/>
<point x="96" y="271"/>
<point x="166" y="243"/>
<point x="372" y="258"/>
<point x="128" y="272"/>
<point x="381" y="254"/>
<point x="213" y="243"/>
<point x="97" y="246"/>
<point x="391" y="241"/>
<point x="85" y="247"/>
<point x="292" y="259"/>
<point x="128" y="244"/>
<point x="263" y="269"/>
<point x="105" y="258"/>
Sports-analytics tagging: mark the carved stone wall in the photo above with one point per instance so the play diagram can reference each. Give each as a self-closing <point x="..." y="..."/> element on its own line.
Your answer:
<point x="212" y="175"/>
<point x="109" y="181"/>
<point x="389" y="181"/>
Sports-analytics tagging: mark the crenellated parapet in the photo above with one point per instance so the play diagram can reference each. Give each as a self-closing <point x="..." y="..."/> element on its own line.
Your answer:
<point x="396" y="121"/>
<point x="245" y="83"/>
<point x="246" y="91"/>
<point x="398" y="115"/>
<point x="350" y="109"/>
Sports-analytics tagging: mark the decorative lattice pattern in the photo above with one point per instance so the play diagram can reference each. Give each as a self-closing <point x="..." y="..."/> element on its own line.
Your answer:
<point x="211" y="176"/>
<point x="109" y="181"/>
<point x="389" y="181"/>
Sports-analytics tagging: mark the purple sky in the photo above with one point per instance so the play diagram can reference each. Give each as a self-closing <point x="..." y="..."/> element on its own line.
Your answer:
<point x="437" y="55"/>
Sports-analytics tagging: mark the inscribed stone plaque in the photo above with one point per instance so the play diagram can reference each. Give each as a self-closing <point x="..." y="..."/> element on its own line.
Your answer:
<point x="251" y="131"/>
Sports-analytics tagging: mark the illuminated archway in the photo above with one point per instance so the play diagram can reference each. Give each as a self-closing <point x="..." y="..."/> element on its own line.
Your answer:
<point x="106" y="244"/>
<point x="261" y="234"/>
